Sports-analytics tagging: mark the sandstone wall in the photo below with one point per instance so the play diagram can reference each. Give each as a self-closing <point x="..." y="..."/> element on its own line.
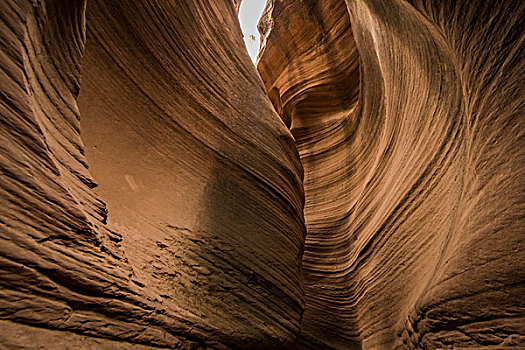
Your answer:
<point x="204" y="237"/>
<point x="408" y="117"/>
<point x="152" y="197"/>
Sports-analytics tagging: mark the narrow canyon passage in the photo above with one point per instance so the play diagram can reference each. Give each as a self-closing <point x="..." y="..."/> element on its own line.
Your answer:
<point x="171" y="157"/>
<point x="360" y="188"/>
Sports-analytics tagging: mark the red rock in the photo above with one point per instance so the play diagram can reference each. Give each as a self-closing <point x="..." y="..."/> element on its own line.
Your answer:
<point x="193" y="163"/>
<point x="151" y="197"/>
<point x="407" y="121"/>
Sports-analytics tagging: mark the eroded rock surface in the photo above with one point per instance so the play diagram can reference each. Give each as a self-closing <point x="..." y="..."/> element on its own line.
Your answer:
<point x="204" y="237"/>
<point x="408" y="117"/>
<point x="151" y="197"/>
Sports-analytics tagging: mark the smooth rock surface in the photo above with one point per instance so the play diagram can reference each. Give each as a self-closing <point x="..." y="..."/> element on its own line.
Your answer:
<point x="202" y="181"/>
<point x="152" y="197"/>
<point x="408" y="117"/>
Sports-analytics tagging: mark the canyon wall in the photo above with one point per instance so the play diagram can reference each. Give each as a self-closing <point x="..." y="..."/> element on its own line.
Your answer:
<point x="152" y="196"/>
<point x="203" y="241"/>
<point x="408" y="117"/>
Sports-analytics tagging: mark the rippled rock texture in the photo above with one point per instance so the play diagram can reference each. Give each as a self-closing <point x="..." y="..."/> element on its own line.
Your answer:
<point x="203" y="242"/>
<point x="408" y="117"/>
<point x="152" y="197"/>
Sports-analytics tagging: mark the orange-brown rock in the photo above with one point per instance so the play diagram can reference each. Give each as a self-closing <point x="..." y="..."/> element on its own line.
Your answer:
<point x="204" y="237"/>
<point x="408" y="117"/>
<point x="152" y="197"/>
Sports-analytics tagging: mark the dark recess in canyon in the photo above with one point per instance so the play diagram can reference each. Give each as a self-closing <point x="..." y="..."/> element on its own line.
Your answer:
<point x="362" y="188"/>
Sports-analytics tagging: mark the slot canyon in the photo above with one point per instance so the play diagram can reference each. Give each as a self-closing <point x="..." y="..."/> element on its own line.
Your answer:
<point x="360" y="187"/>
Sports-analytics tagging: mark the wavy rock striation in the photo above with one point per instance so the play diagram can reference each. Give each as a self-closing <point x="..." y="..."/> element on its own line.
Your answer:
<point x="151" y="197"/>
<point x="189" y="156"/>
<point x="408" y="117"/>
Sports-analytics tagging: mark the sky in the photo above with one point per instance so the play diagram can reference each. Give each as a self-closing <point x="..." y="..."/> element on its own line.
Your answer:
<point x="249" y="14"/>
